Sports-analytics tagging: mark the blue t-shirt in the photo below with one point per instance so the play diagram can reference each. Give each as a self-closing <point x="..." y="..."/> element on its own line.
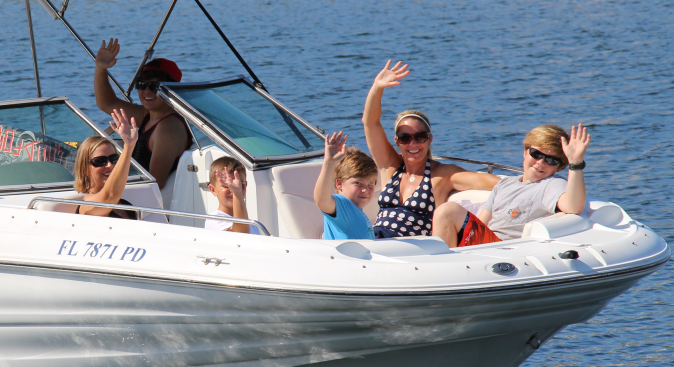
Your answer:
<point x="349" y="222"/>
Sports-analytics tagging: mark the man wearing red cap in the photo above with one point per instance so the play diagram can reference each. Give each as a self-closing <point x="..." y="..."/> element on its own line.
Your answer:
<point x="163" y="135"/>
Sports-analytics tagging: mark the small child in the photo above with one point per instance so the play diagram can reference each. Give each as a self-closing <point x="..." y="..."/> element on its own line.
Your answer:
<point x="535" y="194"/>
<point x="354" y="176"/>
<point x="228" y="183"/>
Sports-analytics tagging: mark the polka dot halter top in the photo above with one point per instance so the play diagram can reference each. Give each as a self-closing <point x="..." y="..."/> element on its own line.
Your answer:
<point x="414" y="217"/>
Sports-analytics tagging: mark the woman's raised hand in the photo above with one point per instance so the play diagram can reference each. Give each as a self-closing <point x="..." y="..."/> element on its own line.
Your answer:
<point x="390" y="77"/>
<point x="121" y="125"/>
<point x="577" y="145"/>
<point x="107" y="55"/>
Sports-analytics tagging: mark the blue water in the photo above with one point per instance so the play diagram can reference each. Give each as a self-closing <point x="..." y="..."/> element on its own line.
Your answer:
<point x="484" y="71"/>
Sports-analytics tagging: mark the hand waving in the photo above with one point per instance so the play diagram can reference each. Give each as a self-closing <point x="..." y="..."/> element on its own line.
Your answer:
<point x="107" y="55"/>
<point x="575" y="148"/>
<point x="335" y="147"/>
<point x="390" y="77"/>
<point x="127" y="131"/>
<point x="230" y="179"/>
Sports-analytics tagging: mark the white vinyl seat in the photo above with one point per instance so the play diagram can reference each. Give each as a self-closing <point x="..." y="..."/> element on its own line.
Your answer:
<point x="293" y="187"/>
<point x="169" y="186"/>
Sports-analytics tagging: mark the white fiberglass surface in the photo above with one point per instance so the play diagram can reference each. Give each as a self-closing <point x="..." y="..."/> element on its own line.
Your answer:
<point x="29" y="155"/>
<point x="252" y="121"/>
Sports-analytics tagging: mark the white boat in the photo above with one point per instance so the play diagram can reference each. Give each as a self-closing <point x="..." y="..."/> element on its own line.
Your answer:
<point x="82" y="290"/>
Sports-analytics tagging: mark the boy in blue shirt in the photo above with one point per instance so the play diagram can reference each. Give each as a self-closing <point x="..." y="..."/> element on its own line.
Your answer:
<point x="354" y="176"/>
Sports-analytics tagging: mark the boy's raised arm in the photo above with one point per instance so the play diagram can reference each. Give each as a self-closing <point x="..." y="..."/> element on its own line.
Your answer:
<point x="573" y="200"/>
<point x="335" y="149"/>
<point x="233" y="182"/>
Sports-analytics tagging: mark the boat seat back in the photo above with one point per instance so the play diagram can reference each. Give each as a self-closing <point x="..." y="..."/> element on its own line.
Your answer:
<point x="169" y="187"/>
<point x="60" y="207"/>
<point x="293" y="187"/>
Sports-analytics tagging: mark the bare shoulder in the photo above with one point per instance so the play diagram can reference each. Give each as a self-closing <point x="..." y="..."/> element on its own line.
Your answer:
<point x="442" y="171"/>
<point x="171" y="122"/>
<point x="441" y="179"/>
<point x="172" y="126"/>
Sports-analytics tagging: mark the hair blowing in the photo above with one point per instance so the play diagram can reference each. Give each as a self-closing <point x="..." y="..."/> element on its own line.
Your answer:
<point x="84" y="155"/>
<point x="355" y="164"/>
<point x="548" y="137"/>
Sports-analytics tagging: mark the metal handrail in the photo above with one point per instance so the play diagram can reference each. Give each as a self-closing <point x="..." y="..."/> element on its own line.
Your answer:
<point x="150" y="50"/>
<point x="51" y="9"/>
<point x="140" y="209"/>
<point x="490" y="165"/>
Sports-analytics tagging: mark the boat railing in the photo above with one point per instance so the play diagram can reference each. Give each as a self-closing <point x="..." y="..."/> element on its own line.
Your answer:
<point x="490" y="165"/>
<point x="140" y="210"/>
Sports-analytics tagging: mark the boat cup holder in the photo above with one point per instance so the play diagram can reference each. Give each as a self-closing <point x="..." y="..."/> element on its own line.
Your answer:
<point x="503" y="268"/>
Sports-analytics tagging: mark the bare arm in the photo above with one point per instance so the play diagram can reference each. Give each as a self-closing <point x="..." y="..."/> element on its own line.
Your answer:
<point x="114" y="187"/>
<point x="335" y="148"/>
<point x="467" y="180"/>
<point x="233" y="182"/>
<point x="106" y="99"/>
<point x="573" y="200"/>
<point x="167" y="144"/>
<point x="383" y="153"/>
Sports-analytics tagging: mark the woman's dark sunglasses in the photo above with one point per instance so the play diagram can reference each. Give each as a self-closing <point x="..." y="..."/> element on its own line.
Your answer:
<point x="549" y="160"/>
<point x="102" y="161"/>
<point x="140" y="85"/>
<point x="420" y="137"/>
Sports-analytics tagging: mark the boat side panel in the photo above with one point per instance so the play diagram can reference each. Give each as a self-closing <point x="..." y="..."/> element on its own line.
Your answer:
<point x="51" y="317"/>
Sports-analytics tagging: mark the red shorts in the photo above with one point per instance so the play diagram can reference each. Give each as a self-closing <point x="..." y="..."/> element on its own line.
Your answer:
<point x="476" y="233"/>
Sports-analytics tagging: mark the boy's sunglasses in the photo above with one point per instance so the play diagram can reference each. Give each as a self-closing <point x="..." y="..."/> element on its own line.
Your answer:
<point x="420" y="137"/>
<point x="549" y="160"/>
<point x="140" y="85"/>
<point x="102" y="161"/>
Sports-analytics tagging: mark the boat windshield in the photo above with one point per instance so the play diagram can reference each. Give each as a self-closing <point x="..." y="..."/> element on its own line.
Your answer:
<point x="249" y="120"/>
<point x="35" y="153"/>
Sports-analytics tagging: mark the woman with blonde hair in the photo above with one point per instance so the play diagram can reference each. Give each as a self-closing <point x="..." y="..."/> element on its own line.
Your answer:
<point x="101" y="173"/>
<point x="413" y="184"/>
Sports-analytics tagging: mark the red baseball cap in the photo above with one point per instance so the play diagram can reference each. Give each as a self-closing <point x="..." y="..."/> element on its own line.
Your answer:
<point x="167" y="66"/>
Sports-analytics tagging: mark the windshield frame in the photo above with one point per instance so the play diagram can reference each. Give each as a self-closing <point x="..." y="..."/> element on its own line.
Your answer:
<point x="167" y="92"/>
<point x="64" y="185"/>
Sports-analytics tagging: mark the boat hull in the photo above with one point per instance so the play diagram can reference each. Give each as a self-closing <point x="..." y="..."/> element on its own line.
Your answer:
<point x="53" y="317"/>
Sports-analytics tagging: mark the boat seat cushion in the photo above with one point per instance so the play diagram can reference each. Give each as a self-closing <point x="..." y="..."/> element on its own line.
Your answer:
<point x="293" y="187"/>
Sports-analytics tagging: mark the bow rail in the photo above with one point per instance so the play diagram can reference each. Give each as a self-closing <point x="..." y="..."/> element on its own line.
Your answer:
<point x="139" y="210"/>
<point x="490" y="165"/>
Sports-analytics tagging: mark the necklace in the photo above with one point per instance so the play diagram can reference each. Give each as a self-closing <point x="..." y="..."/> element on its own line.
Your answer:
<point x="411" y="175"/>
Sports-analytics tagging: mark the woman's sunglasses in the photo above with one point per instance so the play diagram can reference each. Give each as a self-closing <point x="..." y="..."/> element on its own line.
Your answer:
<point x="549" y="160"/>
<point x="420" y="137"/>
<point x="140" y="85"/>
<point x="102" y="161"/>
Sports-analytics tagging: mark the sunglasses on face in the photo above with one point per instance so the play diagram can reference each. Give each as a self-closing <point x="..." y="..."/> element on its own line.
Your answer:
<point x="549" y="160"/>
<point x="140" y="85"/>
<point x="102" y="161"/>
<point x="420" y="137"/>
